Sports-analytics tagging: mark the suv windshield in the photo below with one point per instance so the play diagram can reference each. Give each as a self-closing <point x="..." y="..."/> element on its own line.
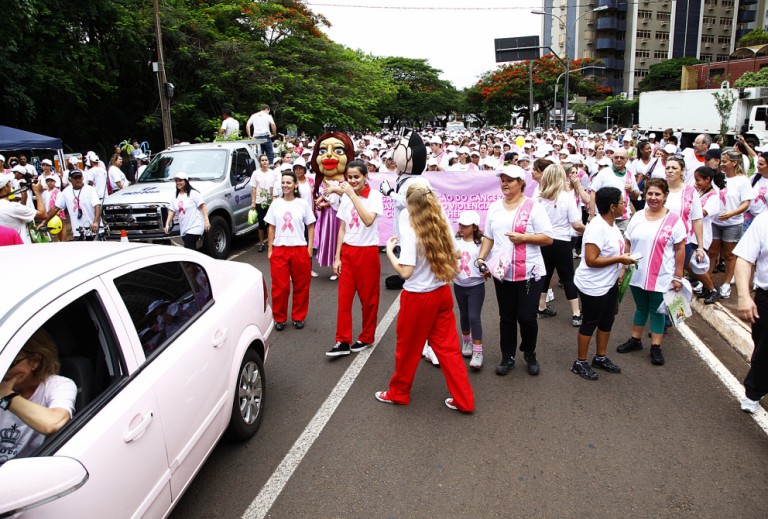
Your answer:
<point x="198" y="164"/>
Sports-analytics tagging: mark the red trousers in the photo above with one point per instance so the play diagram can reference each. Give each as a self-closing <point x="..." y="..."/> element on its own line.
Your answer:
<point x="290" y="264"/>
<point x="360" y="272"/>
<point x="422" y="317"/>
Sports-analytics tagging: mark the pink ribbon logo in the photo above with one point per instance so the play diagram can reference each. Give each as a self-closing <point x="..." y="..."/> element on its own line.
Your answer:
<point x="287" y="219"/>
<point x="76" y="204"/>
<point x="355" y="219"/>
<point x="181" y="208"/>
<point x="464" y="267"/>
<point x="722" y="195"/>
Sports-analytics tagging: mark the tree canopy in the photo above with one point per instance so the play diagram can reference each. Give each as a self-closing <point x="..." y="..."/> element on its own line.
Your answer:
<point x="754" y="37"/>
<point x="666" y="75"/>
<point x="753" y="79"/>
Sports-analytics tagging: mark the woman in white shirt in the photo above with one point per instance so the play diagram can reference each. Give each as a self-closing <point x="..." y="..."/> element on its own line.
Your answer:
<point x="516" y="227"/>
<point x="357" y="259"/>
<point x="117" y="179"/>
<point x="564" y="215"/>
<point x="262" y="184"/>
<point x="659" y="236"/>
<point x="193" y="216"/>
<point x="759" y="183"/>
<point x="290" y="252"/>
<point x="604" y="256"/>
<point x="684" y="201"/>
<point x="428" y="262"/>
<point x="728" y="226"/>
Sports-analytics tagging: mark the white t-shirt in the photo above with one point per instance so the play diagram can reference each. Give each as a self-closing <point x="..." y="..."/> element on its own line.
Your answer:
<point x="231" y="126"/>
<point x="753" y="247"/>
<point x="737" y="189"/>
<point x="760" y="202"/>
<point x="355" y="232"/>
<point x="561" y="212"/>
<point x="692" y="163"/>
<point x="289" y="219"/>
<point x="607" y="178"/>
<point x="116" y="175"/>
<point x="97" y="177"/>
<point x="710" y="203"/>
<point x="498" y="221"/>
<point x="656" y="268"/>
<point x="21" y="440"/>
<point x="264" y="182"/>
<point x="261" y="122"/>
<point x="693" y="203"/>
<point x="596" y="281"/>
<point x="15" y="215"/>
<point x="638" y="167"/>
<point x="306" y="189"/>
<point x="423" y="279"/>
<point x="469" y="275"/>
<point x="85" y="199"/>
<point x="187" y="209"/>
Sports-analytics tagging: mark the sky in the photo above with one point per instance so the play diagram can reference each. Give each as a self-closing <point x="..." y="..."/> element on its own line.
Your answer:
<point x="455" y="36"/>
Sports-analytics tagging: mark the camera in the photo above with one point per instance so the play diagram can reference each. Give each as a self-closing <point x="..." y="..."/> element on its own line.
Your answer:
<point x="29" y="179"/>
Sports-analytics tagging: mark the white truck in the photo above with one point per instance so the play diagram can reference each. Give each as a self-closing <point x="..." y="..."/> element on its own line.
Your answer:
<point x="221" y="171"/>
<point x="693" y="112"/>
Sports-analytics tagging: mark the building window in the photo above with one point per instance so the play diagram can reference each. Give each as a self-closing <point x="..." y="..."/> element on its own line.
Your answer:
<point x="663" y="17"/>
<point x="644" y="15"/>
<point x="662" y="35"/>
<point x="722" y="57"/>
<point x="706" y="57"/>
<point x="639" y="72"/>
<point x="724" y="40"/>
<point x="643" y="54"/>
<point x="621" y="36"/>
<point x="727" y="3"/>
<point x="660" y="54"/>
<point x="712" y="2"/>
<point x="709" y="20"/>
<point x="716" y="72"/>
<point x="644" y="35"/>
<point x="619" y="74"/>
<point x="726" y="22"/>
<point x="707" y="38"/>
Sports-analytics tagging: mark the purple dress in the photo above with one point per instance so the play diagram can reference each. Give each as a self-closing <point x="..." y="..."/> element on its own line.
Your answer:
<point x="326" y="235"/>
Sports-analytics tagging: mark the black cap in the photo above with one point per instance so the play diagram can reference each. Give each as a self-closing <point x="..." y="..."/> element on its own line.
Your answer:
<point x="713" y="153"/>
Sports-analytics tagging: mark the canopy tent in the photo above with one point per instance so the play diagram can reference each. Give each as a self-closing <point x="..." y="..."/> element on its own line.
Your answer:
<point x="13" y="139"/>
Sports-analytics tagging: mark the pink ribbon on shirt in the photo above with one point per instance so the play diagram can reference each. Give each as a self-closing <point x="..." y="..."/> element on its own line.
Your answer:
<point x="181" y="208"/>
<point x="464" y="267"/>
<point x="287" y="219"/>
<point x="355" y="219"/>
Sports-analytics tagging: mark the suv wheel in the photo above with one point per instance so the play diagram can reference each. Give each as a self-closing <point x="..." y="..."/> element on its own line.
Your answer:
<point x="248" y="400"/>
<point x="219" y="239"/>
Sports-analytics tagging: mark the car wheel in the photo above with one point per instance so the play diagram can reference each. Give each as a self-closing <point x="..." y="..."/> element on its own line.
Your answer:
<point x="218" y="240"/>
<point x="248" y="400"/>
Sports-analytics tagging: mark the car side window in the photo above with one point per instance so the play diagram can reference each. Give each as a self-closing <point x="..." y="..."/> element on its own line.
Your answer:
<point x="163" y="299"/>
<point x="240" y="159"/>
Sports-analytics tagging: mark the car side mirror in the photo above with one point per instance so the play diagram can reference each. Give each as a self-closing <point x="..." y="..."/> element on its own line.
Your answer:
<point x="26" y="483"/>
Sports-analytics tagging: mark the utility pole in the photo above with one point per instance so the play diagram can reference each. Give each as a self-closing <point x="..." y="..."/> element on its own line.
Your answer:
<point x="165" y="103"/>
<point x="530" y="95"/>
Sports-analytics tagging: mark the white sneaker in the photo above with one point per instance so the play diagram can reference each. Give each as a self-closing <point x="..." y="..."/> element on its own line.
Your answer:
<point x="466" y="348"/>
<point x="430" y="355"/>
<point x="477" y="360"/>
<point x="576" y="254"/>
<point x="334" y="277"/>
<point x="750" y="406"/>
<point x="698" y="287"/>
<point x="725" y="291"/>
<point x="550" y="296"/>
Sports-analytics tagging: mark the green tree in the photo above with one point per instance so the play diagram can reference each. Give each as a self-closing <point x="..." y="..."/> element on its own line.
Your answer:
<point x="622" y="111"/>
<point x="754" y="37"/>
<point x="724" y="101"/>
<point x="666" y="75"/>
<point x="753" y="79"/>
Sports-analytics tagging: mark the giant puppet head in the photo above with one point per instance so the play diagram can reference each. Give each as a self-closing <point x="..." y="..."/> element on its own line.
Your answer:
<point x="410" y="154"/>
<point x="330" y="156"/>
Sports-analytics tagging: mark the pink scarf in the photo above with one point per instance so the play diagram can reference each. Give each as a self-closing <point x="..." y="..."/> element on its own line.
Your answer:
<point x="516" y="256"/>
<point x="663" y="234"/>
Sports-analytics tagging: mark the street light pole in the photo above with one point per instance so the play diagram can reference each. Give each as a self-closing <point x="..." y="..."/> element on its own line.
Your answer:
<point x="567" y="60"/>
<point x="557" y="81"/>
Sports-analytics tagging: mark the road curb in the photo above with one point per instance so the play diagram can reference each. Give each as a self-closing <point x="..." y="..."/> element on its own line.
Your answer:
<point x="735" y="331"/>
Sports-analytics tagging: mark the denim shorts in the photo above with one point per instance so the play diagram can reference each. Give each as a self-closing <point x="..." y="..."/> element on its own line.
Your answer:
<point x="727" y="233"/>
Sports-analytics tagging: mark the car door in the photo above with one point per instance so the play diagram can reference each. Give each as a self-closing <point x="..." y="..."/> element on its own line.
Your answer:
<point x="240" y="176"/>
<point x="183" y="340"/>
<point x="117" y="436"/>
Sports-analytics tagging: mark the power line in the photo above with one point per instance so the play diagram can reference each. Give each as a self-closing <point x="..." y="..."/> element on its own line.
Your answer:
<point x="448" y="8"/>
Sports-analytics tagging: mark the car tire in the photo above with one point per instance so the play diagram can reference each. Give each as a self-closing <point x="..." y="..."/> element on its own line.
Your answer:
<point x="218" y="240"/>
<point x="249" y="397"/>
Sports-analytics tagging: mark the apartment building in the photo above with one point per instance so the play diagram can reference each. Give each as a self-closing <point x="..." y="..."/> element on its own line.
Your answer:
<point x="631" y="35"/>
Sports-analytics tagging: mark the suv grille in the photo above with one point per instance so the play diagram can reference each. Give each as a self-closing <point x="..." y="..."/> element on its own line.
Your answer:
<point x="135" y="219"/>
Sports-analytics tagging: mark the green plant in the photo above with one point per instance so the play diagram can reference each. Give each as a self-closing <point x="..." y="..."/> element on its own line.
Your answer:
<point x="724" y="101"/>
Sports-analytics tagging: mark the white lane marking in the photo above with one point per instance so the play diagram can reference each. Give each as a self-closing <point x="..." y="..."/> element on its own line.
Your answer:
<point x="726" y="377"/>
<point x="234" y="256"/>
<point x="269" y="493"/>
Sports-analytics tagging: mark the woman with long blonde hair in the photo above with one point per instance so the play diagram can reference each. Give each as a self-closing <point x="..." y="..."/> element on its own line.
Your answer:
<point x="428" y="262"/>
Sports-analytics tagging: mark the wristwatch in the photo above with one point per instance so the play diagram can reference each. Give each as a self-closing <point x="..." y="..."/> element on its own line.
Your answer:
<point x="5" y="402"/>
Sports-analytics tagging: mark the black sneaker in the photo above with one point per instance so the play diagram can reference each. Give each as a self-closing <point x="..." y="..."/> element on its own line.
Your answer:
<point x="533" y="364"/>
<point x="261" y="247"/>
<point x="631" y="345"/>
<point x="547" y="312"/>
<point x="279" y="327"/>
<point x="711" y="297"/>
<point x="298" y="324"/>
<point x="506" y="365"/>
<point x="656" y="357"/>
<point x="358" y="346"/>
<point x="582" y="369"/>
<point x="605" y="364"/>
<point x="341" y="348"/>
<point x="577" y="320"/>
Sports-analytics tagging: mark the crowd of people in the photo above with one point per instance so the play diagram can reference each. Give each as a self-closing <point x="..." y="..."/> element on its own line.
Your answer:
<point x="595" y="208"/>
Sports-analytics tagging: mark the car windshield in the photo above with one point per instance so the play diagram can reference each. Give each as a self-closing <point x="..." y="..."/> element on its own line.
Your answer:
<point x="198" y="164"/>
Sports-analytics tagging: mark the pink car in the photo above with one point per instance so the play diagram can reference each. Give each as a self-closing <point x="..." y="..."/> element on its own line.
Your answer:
<point x="166" y="347"/>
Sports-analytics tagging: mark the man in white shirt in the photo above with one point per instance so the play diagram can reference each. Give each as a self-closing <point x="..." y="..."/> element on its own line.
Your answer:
<point x="229" y="125"/>
<point x="81" y="202"/>
<point x="695" y="156"/>
<point x="97" y="175"/>
<point x="261" y="126"/>
<point x="16" y="215"/>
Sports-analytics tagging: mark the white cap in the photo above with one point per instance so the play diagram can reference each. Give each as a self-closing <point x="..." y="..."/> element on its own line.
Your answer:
<point x="573" y="159"/>
<point x="73" y="160"/>
<point x="4" y="179"/>
<point x="47" y="161"/>
<point x="181" y="176"/>
<point x="699" y="267"/>
<point x="670" y="149"/>
<point x="469" y="218"/>
<point x="18" y="169"/>
<point x="512" y="171"/>
<point x="92" y="156"/>
<point x="474" y="153"/>
<point x="2" y="158"/>
<point x="605" y="161"/>
<point x="300" y="162"/>
<point x="652" y="136"/>
<point x="432" y="162"/>
<point x="436" y="140"/>
<point x="464" y="150"/>
<point x="286" y="167"/>
<point x="524" y="157"/>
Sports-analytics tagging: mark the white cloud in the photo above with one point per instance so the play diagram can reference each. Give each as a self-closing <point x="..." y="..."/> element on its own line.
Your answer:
<point x="456" y="36"/>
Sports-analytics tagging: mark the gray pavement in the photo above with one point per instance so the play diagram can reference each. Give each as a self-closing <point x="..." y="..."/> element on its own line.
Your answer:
<point x="653" y="441"/>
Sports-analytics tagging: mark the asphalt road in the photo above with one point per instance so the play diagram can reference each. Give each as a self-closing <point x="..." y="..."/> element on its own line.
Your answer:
<point x="653" y="441"/>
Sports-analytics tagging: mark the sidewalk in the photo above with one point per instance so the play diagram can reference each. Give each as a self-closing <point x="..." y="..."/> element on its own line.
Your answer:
<point x="723" y="318"/>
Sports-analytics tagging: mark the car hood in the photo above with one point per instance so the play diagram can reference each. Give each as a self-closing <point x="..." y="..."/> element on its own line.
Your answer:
<point x="154" y="193"/>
